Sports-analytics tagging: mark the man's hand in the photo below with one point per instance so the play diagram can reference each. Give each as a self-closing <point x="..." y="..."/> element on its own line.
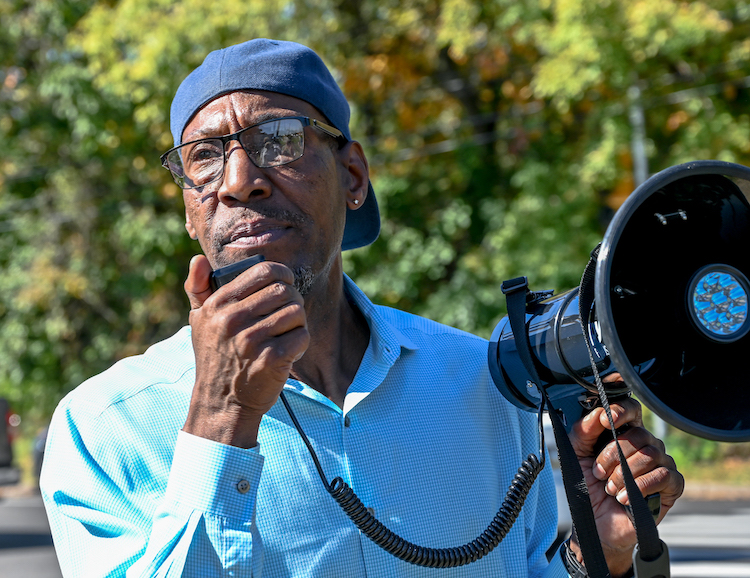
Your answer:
<point x="246" y="337"/>
<point x="653" y="470"/>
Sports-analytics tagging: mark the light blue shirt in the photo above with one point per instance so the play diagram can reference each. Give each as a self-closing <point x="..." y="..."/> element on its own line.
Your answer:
<point x="424" y="438"/>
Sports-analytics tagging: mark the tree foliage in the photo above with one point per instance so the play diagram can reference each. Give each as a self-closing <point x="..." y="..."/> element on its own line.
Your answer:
<point x="498" y="134"/>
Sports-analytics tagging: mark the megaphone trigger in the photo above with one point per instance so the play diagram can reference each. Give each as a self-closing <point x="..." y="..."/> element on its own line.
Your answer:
<point x="653" y="502"/>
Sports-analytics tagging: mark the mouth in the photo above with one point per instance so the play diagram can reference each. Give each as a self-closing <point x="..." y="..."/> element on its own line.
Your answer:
<point x="254" y="233"/>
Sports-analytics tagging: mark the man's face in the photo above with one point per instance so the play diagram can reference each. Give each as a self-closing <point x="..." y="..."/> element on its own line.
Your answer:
<point x="294" y="214"/>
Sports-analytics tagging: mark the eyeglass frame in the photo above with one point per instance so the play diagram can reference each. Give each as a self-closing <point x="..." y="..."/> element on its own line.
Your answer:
<point x="305" y="120"/>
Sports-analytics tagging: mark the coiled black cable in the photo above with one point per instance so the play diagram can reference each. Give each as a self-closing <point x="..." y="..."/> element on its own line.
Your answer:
<point x="433" y="557"/>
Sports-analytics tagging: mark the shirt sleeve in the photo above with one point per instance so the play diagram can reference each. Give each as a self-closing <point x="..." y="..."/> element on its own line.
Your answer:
<point x="108" y="520"/>
<point x="544" y="527"/>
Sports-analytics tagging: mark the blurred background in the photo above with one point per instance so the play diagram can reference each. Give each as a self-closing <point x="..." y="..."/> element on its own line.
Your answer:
<point x="502" y="136"/>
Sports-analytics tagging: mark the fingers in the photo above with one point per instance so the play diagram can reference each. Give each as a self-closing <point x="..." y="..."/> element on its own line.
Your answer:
<point x="668" y="483"/>
<point x="586" y="432"/>
<point x="646" y="459"/>
<point x="652" y="468"/>
<point x="627" y="411"/>
<point x="637" y="443"/>
<point x="664" y="480"/>
<point x="197" y="284"/>
<point x="259" y="315"/>
<point x="262" y="301"/>
<point x="263" y="317"/>
<point x="254" y="280"/>
<point x="198" y="289"/>
<point x="284" y="349"/>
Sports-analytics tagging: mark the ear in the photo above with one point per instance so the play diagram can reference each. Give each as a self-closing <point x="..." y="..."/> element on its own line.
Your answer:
<point x="359" y="175"/>
<point x="189" y="227"/>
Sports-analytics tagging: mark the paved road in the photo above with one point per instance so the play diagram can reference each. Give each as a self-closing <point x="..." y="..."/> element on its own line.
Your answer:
<point x="705" y="539"/>
<point x="708" y="539"/>
<point x="25" y="543"/>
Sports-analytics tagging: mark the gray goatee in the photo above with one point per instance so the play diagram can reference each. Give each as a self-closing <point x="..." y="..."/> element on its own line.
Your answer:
<point x="303" y="279"/>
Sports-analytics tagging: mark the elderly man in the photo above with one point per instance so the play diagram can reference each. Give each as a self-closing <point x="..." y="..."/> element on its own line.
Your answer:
<point x="185" y="462"/>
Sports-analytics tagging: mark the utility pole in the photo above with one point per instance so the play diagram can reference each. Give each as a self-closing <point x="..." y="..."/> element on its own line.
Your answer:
<point x="638" y="137"/>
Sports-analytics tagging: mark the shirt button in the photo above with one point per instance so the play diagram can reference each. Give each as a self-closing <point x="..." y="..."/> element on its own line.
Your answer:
<point x="347" y="421"/>
<point x="243" y="486"/>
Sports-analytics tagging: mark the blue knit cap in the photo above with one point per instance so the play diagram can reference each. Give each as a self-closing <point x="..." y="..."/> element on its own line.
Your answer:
<point x="287" y="68"/>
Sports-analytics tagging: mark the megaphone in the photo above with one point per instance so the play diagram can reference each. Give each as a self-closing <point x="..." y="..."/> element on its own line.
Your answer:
<point x="669" y="312"/>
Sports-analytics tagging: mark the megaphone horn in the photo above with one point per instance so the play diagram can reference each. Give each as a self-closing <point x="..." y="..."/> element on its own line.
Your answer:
<point x="670" y="310"/>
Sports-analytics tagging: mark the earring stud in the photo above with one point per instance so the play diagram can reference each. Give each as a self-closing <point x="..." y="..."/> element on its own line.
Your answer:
<point x="356" y="201"/>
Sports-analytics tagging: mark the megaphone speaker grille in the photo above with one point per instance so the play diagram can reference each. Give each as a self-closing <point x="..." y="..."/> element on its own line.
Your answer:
<point x="718" y="302"/>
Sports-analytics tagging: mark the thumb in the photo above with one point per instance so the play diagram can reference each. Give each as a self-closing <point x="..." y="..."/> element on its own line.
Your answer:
<point x="197" y="284"/>
<point x="586" y="431"/>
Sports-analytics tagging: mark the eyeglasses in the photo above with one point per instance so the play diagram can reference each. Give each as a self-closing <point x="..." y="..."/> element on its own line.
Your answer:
<point x="268" y="144"/>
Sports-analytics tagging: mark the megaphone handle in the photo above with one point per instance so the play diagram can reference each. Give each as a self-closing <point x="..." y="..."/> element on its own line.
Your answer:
<point x="649" y="545"/>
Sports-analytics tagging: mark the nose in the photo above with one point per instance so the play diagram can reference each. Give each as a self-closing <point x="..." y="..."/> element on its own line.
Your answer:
<point x="242" y="181"/>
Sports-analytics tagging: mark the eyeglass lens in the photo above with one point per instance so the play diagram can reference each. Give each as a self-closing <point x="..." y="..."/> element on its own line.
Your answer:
<point x="269" y="144"/>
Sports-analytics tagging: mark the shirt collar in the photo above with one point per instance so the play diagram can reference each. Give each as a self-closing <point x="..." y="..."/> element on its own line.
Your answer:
<point x="385" y="337"/>
<point x="384" y="349"/>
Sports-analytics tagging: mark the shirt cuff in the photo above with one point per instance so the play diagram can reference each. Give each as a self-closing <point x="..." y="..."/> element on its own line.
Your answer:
<point x="556" y="568"/>
<point x="214" y="478"/>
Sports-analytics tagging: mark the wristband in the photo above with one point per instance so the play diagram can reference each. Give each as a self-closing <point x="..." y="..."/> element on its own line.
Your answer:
<point x="571" y="563"/>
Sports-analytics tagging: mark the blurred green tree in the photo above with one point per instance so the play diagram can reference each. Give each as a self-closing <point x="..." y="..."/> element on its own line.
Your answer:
<point x="498" y="135"/>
